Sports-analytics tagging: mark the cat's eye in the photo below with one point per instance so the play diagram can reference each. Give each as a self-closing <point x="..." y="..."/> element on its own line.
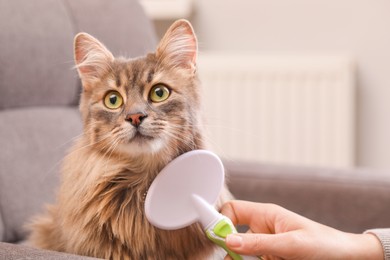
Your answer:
<point x="159" y="93"/>
<point x="113" y="100"/>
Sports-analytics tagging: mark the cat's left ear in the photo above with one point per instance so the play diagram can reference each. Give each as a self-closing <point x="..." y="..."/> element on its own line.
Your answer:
<point x="92" y="59"/>
<point x="179" y="46"/>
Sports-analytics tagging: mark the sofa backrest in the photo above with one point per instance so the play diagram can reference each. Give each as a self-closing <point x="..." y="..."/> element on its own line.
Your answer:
<point x="39" y="91"/>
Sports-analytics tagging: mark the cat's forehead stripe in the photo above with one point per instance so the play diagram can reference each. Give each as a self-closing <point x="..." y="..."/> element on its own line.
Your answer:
<point x="150" y="75"/>
<point x="134" y="73"/>
<point x="118" y="81"/>
<point x="137" y="73"/>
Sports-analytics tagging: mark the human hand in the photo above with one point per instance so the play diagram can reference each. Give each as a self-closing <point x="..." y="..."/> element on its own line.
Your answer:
<point x="276" y="233"/>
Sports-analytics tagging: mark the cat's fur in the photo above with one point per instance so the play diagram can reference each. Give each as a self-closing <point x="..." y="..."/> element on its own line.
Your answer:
<point x="100" y="205"/>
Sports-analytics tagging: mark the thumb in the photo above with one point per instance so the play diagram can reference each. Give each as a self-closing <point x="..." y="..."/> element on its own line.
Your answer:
<point x="256" y="244"/>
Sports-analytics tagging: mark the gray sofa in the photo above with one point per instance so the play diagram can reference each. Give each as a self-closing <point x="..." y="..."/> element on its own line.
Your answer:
<point x="39" y="117"/>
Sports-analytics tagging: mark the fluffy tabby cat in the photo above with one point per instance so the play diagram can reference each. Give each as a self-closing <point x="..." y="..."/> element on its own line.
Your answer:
<point x="138" y="115"/>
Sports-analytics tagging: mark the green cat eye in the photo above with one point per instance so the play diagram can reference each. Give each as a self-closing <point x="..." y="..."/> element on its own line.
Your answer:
<point x="113" y="100"/>
<point x="159" y="93"/>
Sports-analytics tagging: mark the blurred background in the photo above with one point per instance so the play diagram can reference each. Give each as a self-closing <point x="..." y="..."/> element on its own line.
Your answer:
<point x="297" y="82"/>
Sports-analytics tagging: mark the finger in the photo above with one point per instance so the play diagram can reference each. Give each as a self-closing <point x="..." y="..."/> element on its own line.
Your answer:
<point x="227" y="209"/>
<point x="259" y="217"/>
<point x="238" y="211"/>
<point x="259" y="244"/>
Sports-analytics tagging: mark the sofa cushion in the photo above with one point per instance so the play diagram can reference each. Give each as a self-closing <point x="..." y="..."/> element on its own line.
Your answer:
<point x="17" y="252"/>
<point x="34" y="142"/>
<point x="121" y="25"/>
<point x="36" y="54"/>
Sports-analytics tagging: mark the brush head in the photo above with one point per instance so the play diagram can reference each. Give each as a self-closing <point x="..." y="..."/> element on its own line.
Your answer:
<point x="169" y="203"/>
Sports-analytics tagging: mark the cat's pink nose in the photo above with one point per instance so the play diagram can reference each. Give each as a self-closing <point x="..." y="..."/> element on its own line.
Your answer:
<point x="136" y="119"/>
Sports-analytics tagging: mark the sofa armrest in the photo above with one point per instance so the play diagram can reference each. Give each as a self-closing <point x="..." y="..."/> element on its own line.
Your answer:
<point x="349" y="200"/>
<point x="16" y="252"/>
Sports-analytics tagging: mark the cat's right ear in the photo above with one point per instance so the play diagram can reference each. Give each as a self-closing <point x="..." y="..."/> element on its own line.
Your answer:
<point x="92" y="59"/>
<point x="179" y="46"/>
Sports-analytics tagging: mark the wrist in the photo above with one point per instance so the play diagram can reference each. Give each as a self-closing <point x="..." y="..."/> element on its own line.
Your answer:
<point x="367" y="246"/>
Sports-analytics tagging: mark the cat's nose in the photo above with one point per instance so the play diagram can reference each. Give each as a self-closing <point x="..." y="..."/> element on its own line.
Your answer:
<point x="136" y="119"/>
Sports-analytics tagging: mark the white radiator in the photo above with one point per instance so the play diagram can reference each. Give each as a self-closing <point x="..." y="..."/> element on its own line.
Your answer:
<point x="293" y="110"/>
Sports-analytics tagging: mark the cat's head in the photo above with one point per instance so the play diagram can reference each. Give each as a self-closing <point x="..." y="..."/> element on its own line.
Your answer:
<point x="141" y="105"/>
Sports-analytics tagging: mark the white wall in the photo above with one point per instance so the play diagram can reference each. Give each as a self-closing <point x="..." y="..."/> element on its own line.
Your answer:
<point x="358" y="27"/>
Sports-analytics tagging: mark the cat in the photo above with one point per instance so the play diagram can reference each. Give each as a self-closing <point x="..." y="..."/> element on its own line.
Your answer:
<point x="138" y="115"/>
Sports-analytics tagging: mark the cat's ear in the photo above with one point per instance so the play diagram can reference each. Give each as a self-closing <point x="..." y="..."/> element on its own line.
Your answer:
<point x="179" y="46"/>
<point x="92" y="58"/>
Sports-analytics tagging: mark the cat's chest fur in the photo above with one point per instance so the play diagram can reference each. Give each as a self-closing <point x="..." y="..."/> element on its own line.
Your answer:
<point x="102" y="212"/>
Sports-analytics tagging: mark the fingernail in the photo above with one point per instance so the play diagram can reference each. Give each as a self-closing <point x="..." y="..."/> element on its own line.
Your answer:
<point x="234" y="240"/>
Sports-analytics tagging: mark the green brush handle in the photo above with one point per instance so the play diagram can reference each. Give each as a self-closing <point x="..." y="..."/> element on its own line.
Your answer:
<point x="218" y="232"/>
